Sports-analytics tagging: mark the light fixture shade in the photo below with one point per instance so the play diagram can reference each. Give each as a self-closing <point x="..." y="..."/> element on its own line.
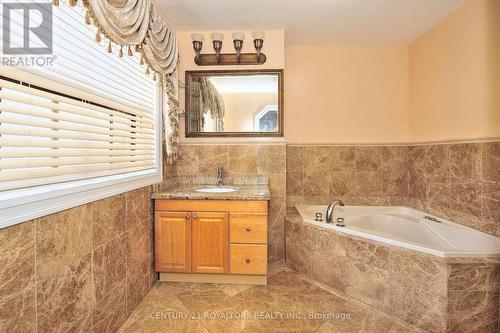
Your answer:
<point x="238" y="36"/>
<point x="217" y="36"/>
<point x="258" y="35"/>
<point x="197" y="37"/>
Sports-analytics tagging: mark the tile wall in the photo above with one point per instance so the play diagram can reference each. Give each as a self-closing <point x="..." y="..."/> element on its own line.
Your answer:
<point x="83" y="269"/>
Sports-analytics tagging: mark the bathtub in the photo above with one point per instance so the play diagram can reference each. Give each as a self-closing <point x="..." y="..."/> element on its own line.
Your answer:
<point x="407" y="228"/>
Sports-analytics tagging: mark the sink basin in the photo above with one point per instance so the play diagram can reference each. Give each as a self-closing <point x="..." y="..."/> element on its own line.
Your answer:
<point x="217" y="189"/>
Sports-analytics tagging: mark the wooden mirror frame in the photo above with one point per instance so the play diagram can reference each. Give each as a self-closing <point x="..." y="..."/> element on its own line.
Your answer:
<point x="281" y="118"/>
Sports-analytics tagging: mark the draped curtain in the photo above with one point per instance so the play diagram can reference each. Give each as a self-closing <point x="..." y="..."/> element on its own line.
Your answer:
<point x="211" y="102"/>
<point x="135" y="24"/>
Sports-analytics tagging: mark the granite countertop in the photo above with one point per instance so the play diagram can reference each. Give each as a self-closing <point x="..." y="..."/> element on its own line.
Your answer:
<point x="187" y="192"/>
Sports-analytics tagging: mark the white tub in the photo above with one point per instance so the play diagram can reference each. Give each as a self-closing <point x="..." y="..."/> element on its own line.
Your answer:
<point x="407" y="227"/>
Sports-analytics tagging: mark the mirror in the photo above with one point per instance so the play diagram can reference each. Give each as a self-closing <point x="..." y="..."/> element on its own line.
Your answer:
<point x="234" y="103"/>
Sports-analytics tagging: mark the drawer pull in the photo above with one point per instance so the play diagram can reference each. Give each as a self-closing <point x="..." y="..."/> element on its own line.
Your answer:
<point x="187" y="217"/>
<point x="247" y="260"/>
<point x="248" y="229"/>
<point x="195" y="216"/>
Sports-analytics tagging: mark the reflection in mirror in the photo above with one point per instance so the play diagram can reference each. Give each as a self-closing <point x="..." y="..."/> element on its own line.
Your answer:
<point x="234" y="103"/>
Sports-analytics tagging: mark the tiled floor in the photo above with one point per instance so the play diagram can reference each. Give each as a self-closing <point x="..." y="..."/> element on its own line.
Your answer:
<point x="286" y="304"/>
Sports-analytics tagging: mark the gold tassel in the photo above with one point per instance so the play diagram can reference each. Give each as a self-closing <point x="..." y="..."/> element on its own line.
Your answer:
<point x="142" y="60"/>
<point x="121" y="52"/>
<point x="130" y="51"/>
<point x="147" y="71"/>
<point x="98" y="37"/>
<point x="55" y="2"/>
<point x="109" y="47"/>
<point x="87" y="18"/>
<point x="72" y="3"/>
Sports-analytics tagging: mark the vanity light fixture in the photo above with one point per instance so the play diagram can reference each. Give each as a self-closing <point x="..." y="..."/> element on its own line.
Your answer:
<point x="197" y="43"/>
<point x="238" y="38"/>
<point x="258" y="41"/>
<point x="237" y="58"/>
<point x="217" y="39"/>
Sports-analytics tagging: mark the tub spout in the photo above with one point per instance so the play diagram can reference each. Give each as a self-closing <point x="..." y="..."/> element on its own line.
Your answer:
<point x="331" y="207"/>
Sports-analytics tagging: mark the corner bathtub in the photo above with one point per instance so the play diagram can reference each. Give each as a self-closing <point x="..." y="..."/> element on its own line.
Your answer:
<point x="407" y="228"/>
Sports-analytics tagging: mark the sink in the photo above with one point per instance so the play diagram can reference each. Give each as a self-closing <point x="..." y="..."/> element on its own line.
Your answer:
<point x="217" y="189"/>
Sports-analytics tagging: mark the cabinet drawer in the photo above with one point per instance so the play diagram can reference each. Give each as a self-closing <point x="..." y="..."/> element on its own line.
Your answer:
<point x="248" y="259"/>
<point x="248" y="228"/>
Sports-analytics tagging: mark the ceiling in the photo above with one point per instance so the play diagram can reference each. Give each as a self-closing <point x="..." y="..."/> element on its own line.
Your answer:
<point x="314" y="22"/>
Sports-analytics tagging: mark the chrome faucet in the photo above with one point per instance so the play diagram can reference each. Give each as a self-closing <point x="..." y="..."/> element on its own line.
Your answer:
<point x="331" y="207"/>
<point x="220" y="176"/>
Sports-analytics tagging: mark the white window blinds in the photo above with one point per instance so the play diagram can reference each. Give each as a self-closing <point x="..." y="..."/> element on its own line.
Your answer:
<point x="95" y="115"/>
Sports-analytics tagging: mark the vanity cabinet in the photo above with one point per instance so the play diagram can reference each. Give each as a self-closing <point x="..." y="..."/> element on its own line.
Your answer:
<point x="211" y="241"/>
<point x="210" y="232"/>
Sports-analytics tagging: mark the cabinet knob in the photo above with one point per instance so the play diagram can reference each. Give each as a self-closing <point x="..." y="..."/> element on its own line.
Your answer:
<point x="195" y="216"/>
<point x="248" y="229"/>
<point x="187" y="217"/>
<point x="247" y="260"/>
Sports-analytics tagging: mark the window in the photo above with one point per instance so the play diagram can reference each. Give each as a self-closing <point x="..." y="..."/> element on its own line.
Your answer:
<point x="267" y="119"/>
<point x="78" y="131"/>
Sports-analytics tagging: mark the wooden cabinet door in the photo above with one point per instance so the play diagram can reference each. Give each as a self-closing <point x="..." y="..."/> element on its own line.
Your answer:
<point x="210" y="242"/>
<point x="173" y="242"/>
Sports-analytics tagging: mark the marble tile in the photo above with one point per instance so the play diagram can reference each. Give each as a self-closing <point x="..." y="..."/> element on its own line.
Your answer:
<point x="61" y="239"/>
<point x="466" y="196"/>
<point x="83" y="325"/>
<point x="317" y="159"/>
<point x="368" y="158"/>
<point x="490" y="216"/>
<point x="479" y="277"/>
<point x="110" y="312"/>
<point x="396" y="181"/>
<point x="328" y="259"/>
<point x="465" y="160"/>
<point x="110" y="266"/>
<point x="242" y="160"/>
<point x="294" y="183"/>
<point x="472" y="311"/>
<point x="437" y="160"/>
<point x="342" y="183"/>
<point x="108" y="219"/>
<point x="188" y="163"/>
<point x="417" y="185"/>
<point x="367" y="252"/>
<point x="138" y="206"/>
<point x="491" y="161"/>
<point x="63" y="298"/>
<point x="298" y="247"/>
<point x="358" y="319"/>
<point x="276" y="232"/>
<point x="18" y="313"/>
<point x="316" y="183"/>
<point x="418" y="289"/>
<point x="367" y="283"/>
<point x="271" y="159"/>
<point x="295" y="159"/>
<point x="369" y="183"/>
<point x="212" y="157"/>
<point x="342" y="158"/>
<point x="17" y="259"/>
<point x="438" y="194"/>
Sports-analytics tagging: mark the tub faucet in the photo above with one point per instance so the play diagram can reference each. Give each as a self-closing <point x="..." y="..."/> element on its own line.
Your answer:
<point x="331" y="207"/>
<point x="220" y="176"/>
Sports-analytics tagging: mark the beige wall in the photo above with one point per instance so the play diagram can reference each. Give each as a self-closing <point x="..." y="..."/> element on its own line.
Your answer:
<point x="454" y="69"/>
<point x="441" y="87"/>
<point x="347" y="94"/>
<point x="274" y="49"/>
